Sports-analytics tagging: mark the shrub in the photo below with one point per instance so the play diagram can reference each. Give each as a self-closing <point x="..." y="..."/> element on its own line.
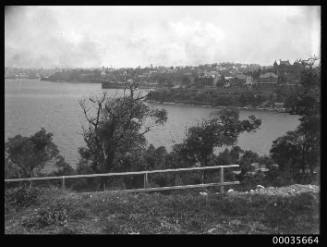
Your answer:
<point x="55" y="212"/>
<point x="233" y="206"/>
<point x="67" y="230"/>
<point x="21" y="197"/>
<point x="53" y="215"/>
<point x="286" y="209"/>
<point x="112" y="225"/>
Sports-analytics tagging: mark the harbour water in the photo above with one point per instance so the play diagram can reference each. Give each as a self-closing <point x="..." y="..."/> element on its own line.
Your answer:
<point x="31" y="104"/>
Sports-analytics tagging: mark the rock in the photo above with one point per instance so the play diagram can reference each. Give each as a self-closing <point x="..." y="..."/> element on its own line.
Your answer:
<point x="211" y="230"/>
<point x="197" y="164"/>
<point x="203" y="193"/>
<point x="259" y="187"/>
<point x="251" y="191"/>
<point x="230" y="191"/>
<point x="235" y="222"/>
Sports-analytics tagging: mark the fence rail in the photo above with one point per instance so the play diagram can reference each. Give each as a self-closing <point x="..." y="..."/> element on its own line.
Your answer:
<point x="222" y="183"/>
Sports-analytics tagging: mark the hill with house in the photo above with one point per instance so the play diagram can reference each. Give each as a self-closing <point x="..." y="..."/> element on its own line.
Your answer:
<point x="261" y="87"/>
<point x="217" y="75"/>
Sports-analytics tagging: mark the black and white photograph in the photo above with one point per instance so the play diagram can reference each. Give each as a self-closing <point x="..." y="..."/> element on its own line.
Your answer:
<point x="125" y="119"/>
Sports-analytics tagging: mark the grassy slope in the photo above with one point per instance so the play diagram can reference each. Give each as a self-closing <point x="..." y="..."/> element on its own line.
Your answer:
<point x="288" y="210"/>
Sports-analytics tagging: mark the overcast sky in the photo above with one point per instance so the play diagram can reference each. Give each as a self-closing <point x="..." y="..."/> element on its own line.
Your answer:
<point x="130" y="36"/>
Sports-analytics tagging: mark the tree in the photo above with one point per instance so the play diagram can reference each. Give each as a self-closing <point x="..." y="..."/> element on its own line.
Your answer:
<point x="221" y="81"/>
<point x="217" y="132"/>
<point x="155" y="157"/>
<point x="186" y="81"/>
<point x="27" y="156"/>
<point x="246" y="160"/>
<point x="116" y="129"/>
<point x="287" y="152"/>
<point x="282" y="79"/>
<point x="298" y="152"/>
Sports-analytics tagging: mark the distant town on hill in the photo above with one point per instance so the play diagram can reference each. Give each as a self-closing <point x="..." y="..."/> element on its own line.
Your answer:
<point x="203" y="76"/>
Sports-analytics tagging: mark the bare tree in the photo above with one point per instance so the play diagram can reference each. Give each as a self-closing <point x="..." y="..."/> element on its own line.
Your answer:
<point x="116" y="125"/>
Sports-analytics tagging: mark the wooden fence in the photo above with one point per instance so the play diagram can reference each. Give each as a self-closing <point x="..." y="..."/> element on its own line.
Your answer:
<point x="146" y="188"/>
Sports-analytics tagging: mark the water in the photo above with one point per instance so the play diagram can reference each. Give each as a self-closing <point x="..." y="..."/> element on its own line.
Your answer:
<point x="32" y="104"/>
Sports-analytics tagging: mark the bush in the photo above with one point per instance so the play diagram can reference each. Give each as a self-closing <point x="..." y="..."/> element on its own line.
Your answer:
<point x="47" y="216"/>
<point x="286" y="210"/>
<point x="22" y="197"/>
<point x="56" y="212"/>
<point x="113" y="224"/>
<point x="31" y="156"/>
<point x="233" y="206"/>
<point x="67" y="230"/>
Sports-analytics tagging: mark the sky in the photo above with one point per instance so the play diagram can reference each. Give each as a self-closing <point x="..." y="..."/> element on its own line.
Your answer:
<point x="131" y="36"/>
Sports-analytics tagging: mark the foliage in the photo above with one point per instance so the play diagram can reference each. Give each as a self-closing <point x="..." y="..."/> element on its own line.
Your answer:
<point x="177" y="213"/>
<point x="28" y="156"/>
<point x="116" y="130"/>
<point x="63" y="168"/>
<point x="216" y="132"/>
<point x="21" y="196"/>
<point x="47" y="216"/>
<point x="53" y="209"/>
<point x="217" y="97"/>
<point x="221" y="81"/>
<point x="298" y="152"/>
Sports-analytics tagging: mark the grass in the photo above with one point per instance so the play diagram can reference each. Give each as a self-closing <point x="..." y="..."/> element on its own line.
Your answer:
<point x="291" y="210"/>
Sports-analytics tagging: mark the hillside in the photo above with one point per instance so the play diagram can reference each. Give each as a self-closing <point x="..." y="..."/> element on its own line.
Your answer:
<point x="288" y="210"/>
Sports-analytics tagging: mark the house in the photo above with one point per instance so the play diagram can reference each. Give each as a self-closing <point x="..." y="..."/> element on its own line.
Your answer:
<point x="249" y="81"/>
<point x="257" y="167"/>
<point x="213" y="74"/>
<point x="227" y="84"/>
<point x="285" y="63"/>
<point x="240" y="77"/>
<point x="268" y="77"/>
<point x="279" y="104"/>
<point x="238" y="80"/>
<point x="288" y="73"/>
<point x="268" y="80"/>
<point x="228" y="81"/>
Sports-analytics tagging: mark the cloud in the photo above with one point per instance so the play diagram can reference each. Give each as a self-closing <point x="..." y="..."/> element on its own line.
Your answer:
<point x="39" y="41"/>
<point x="92" y="36"/>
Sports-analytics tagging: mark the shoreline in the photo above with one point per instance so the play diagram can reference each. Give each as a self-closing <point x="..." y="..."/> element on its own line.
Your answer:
<point x="245" y="108"/>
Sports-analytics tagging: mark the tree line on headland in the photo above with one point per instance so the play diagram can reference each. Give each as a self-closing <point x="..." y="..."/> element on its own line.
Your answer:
<point x="115" y="142"/>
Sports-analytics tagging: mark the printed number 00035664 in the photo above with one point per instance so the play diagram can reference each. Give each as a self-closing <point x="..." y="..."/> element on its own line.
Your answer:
<point x="295" y="240"/>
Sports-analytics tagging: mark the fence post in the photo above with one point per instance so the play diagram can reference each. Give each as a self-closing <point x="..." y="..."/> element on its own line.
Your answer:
<point x="63" y="182"/>
<point x="145" y="180"/>
<point x="222" y="180"/>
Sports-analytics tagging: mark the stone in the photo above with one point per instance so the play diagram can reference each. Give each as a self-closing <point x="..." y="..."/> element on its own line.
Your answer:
<point x="203" y="193"/>
<point x="259" y="187"/>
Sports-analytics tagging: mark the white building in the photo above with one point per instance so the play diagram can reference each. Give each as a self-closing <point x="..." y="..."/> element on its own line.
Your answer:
<point x="249" y="81"/>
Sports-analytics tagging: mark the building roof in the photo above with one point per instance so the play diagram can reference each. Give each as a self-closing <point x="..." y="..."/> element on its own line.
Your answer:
<point x="286" y="62"/>
<point x="240" y="76"/>
<point x="268" y="75"/>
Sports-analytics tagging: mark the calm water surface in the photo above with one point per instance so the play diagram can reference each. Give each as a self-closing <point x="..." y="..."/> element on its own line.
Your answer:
<point x="32" y="104"/>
